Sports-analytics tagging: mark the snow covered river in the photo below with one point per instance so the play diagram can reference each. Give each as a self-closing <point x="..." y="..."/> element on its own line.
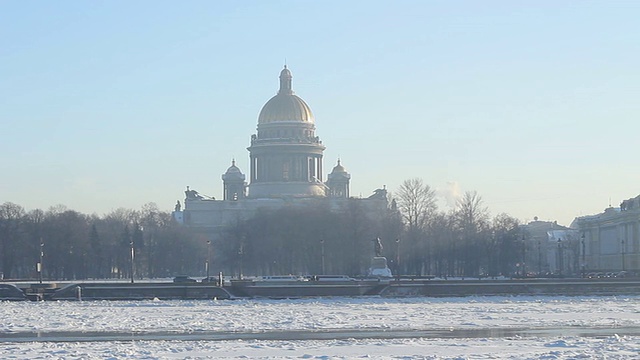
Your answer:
<point x="369" y="327"/>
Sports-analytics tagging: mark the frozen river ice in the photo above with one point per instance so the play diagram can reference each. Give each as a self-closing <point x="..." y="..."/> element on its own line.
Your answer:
<point x="373" y="327"/>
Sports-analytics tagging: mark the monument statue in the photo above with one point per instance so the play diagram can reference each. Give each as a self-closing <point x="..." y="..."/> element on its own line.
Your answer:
<point x="377" y="247"/>
<point x="192" y="194"/>
<point x="379" y="266"/>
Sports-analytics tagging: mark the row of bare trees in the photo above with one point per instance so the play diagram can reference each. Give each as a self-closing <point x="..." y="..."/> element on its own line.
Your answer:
<point x="462" y="242"/>
<point x="417" y="237"/>
<point x="307" y="240"/>
<point x="72" y="245"/>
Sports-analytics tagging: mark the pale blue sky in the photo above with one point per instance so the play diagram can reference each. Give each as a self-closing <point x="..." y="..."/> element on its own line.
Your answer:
<point x="534" y="104"/>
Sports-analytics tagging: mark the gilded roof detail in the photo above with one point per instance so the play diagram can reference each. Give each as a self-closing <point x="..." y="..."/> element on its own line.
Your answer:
<point x="285" y="106"/>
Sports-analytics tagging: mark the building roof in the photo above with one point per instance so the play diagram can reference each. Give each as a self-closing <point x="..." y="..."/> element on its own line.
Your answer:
<point x="285" y="106"/>
<point x="338" y="168"/>
<point x="233" y="172"/>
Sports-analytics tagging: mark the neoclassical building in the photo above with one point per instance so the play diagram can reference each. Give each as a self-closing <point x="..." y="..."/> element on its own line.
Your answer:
<point x="286" y="154"/>
<point x="610" y="241"/>
<point x="549" y="248"/>
<point x="286" y="169"/>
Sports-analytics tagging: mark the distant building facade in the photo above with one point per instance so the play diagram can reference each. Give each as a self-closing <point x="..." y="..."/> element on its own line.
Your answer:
<point x="286" y="169"/>
<point x="610" y="241"/>
<point x="549" y="248"/>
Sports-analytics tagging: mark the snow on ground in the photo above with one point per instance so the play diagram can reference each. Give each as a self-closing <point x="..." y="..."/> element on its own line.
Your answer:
<point x="326" y="314"/>
<point x="532" y="348"/>
<point x="320" y="313"/>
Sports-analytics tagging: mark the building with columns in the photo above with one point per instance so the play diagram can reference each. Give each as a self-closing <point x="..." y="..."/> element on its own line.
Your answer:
<point x="286" y="154"/>
<point x="549" y="248"/>
<point x="610" y="241"/>
<point x="286" y="169"/>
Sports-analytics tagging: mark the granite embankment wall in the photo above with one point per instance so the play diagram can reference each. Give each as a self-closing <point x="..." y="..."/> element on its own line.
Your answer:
<point x="567" y="287"/>
<point x="430" y="288"/>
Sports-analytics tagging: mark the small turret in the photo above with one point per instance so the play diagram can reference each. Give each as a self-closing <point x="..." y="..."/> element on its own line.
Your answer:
<point x="338" y="182"/>
<point x="234" y="184"/>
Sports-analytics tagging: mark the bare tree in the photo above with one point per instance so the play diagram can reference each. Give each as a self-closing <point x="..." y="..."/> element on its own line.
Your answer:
<point x="472" y="214"/>
<point x="441" y="235"/>
<point x="417" y="204"/>
<point x="417" y="201"/>
<point x="503" y="245"/>
<point x="472" y="218"/>
<point x="66" y="245"/>
<point x="11" y="219"/>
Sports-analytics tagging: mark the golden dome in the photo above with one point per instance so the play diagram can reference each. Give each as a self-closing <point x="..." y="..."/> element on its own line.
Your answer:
<point x="233" y="172"/>
<point x="339" y="169"/>
<point x="285" y="106"/>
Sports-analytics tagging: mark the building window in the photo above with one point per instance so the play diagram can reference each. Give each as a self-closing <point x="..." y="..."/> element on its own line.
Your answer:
<point x="312" y="169"/>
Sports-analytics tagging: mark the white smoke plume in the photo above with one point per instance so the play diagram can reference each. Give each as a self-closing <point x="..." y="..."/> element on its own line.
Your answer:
<point x="450" y="194"/>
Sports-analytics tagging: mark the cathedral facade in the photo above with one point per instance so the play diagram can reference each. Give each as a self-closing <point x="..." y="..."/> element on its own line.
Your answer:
<point x="286" y="169"/>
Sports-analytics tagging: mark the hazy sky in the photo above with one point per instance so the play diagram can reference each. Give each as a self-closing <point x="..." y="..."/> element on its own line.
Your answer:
<point x="533" y="104"/>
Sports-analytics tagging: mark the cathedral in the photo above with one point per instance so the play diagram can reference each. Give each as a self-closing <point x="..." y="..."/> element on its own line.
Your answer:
<point x="285" y="170"/>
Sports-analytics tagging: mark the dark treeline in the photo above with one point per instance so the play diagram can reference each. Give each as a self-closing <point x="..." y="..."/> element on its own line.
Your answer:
<point x="79" y="246"/>
<point x="417" y="239"/>
<point x="295" y="240"/>
<point x="462" y="242"/>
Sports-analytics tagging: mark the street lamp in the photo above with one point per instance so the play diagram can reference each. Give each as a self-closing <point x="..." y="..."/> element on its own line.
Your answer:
<point x="560" y="265"/>
<point x="132" y="257"/>
<point x="539" y="258"/>
<point x="241" y="253"/>
<point x="524" y="256"/>
<point x="322" y="254"/>
<point x="39" y="267"/>
<point x="206" y="263"/>
<point x="398" y="256"/>
<point x="584" y="254"/>
<point x="72" y="264"/>
<point x="622" y="250"/>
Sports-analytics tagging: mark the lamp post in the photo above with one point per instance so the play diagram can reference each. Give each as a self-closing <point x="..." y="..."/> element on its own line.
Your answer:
<point x="72" y="265"/>
<point x="560" y="265"/>
<point x="132" y="257"/>
<point x="622" y="250"/>
<point x="584" y="254"/>
<point x="398" y="257"/>
<point x="206" y="263"/>
<point x="539" y="258"/>
<point x="524" y="256"/>
<point x="39" y="267"/>
<point x="322" y="254"/>
<point x="240" y="254"/>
